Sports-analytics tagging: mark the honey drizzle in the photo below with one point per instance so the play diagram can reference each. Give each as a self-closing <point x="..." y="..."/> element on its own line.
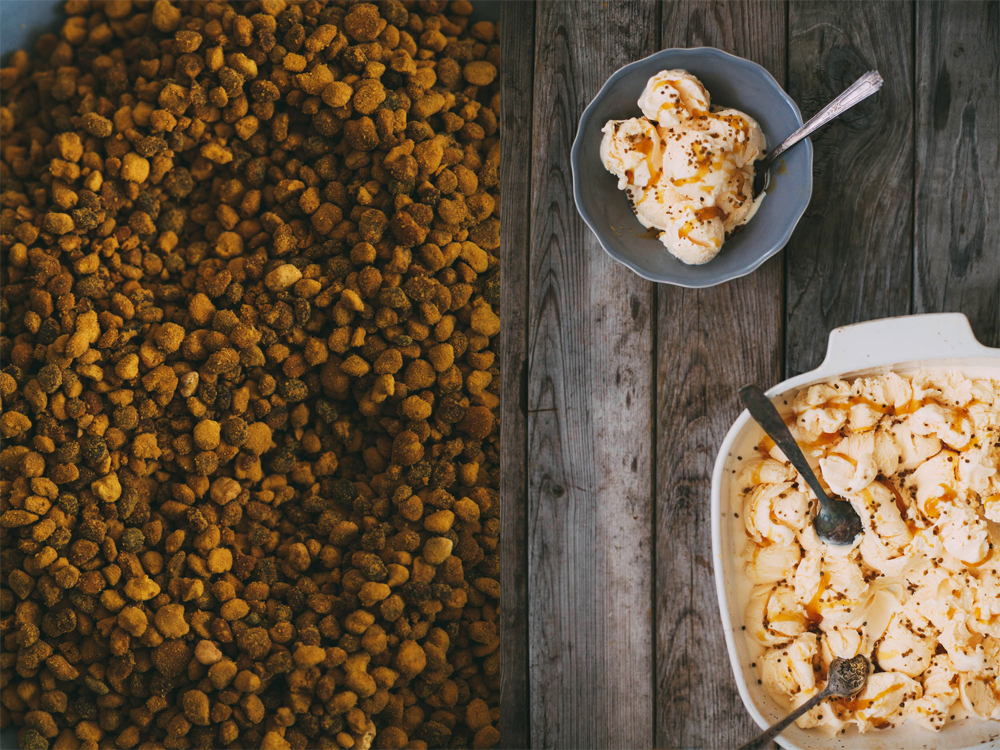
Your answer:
<point x="710" y="212"/>
<point x="961" y="415"/>
<point x="862" y="703"/>
<point x="812" y="608"/>
<point x="900" y="503"/>
<point x="696" y="177"/>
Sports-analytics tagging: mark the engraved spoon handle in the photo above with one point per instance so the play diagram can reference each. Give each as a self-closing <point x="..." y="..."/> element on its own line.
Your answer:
<point x="858" y="91"/>
<point x="765" y="737"/>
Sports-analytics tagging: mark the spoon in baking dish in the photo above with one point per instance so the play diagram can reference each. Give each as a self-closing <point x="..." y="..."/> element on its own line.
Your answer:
<point x="858" y="91"/>
<point x="836" y="522"/>
<point x="845" y="677"/>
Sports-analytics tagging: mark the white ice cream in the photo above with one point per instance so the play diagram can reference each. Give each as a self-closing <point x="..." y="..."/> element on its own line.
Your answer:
<point x="919" y="592"/>
<point x="671" y="97"/>
<point x="687" y="168"/>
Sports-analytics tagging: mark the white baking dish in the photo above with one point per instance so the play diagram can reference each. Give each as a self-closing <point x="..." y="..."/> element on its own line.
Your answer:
<point x="907" y="344"/>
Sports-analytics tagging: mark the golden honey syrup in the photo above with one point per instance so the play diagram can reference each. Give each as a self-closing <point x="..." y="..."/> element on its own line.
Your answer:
<point x="813" y="612"/>
<point x="710" y="212"/>
<point x="698" y="176"/>
<point x="854" y="706"/>
<point x="685" y="232"/>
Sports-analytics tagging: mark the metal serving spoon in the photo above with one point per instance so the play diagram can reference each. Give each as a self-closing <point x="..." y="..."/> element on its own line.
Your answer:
<point x="836" y="522"/>
<point x="846" y="677"/>
<point x="858" y="91"/>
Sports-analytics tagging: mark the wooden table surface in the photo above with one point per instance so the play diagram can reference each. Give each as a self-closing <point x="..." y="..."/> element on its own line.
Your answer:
<point x="617" y="392"/>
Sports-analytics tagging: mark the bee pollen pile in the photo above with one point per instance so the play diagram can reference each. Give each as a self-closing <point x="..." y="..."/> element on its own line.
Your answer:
<point x="249" y="445"/>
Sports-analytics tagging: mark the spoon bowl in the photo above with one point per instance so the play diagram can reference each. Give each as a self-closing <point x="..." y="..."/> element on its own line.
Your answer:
<point x="836" y="522"/>
<point x="846" y="677"/>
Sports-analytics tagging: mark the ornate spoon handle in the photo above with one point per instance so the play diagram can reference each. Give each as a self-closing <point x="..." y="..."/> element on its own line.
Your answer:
<point x="765" y="737"/>
<point x="858" y="91"/>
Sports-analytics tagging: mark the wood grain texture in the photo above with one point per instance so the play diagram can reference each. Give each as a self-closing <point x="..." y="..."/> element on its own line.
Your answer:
<point x="851" y="257"/>
<point x="517" y="36"/>
<point x="957" y="226"/>
<point x="590" y="415"/>
<point x="710" y="342"/>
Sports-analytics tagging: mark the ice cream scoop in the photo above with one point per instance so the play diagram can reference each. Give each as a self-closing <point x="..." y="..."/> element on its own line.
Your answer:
<point x="837" y="521"/>
<point x="845" y="677"/>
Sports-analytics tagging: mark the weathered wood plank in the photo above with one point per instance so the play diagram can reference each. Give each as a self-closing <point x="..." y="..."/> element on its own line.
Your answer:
<point x="957" y="227"/>
<point x="710" y="342"/>
<point x="851" y="256"/>
<point x="589" y="419"/>
<point x="517" y="38"/>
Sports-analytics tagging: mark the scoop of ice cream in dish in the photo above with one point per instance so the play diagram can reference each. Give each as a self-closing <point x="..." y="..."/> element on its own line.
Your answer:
<point x="687" y="167"/>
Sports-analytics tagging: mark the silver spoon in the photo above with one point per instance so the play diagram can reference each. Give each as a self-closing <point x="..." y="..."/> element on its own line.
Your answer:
<point x="836" y="522"/>
<point x="845" y="677"/>
<point x="858" y="91"/>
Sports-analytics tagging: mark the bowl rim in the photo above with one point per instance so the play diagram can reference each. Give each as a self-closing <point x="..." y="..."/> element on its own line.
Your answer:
<point x="919" y="340"/>
<point x="588" y="114"/>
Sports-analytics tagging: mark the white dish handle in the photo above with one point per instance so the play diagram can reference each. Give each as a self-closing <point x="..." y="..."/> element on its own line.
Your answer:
<point x="904" y="339"/>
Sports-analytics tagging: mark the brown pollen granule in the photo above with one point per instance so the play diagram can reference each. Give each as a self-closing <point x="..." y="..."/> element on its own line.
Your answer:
<point x="248" y="391"/>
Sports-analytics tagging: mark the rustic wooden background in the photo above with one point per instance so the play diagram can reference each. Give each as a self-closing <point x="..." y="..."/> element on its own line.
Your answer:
<point x="617" y="392"/>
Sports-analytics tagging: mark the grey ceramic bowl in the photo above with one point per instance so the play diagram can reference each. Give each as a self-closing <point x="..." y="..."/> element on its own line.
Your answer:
<point x="732" y="82"/>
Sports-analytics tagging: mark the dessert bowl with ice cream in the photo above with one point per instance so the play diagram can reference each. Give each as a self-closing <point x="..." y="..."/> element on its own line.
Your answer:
<point x="663" y="167"/>
<point x="687" y="166"/>
<point x="903" y="421"/>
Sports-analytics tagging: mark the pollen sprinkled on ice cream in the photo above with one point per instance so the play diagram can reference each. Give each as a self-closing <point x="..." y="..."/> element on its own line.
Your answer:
<point x="687" y="167"/>
<point x="919" y="592"/>
<point x="632" y="150"/>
